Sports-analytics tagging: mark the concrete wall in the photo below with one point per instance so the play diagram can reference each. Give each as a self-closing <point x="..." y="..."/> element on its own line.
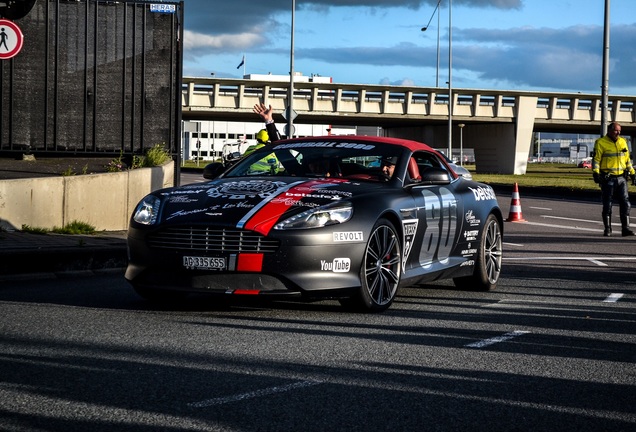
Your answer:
<point x="105" y="201"/>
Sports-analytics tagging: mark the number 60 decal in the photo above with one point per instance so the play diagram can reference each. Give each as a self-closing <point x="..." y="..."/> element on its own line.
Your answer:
<point x="440" y="217"/>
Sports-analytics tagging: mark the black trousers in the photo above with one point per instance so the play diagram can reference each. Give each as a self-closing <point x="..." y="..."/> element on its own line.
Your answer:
<point x="615" y="188"/>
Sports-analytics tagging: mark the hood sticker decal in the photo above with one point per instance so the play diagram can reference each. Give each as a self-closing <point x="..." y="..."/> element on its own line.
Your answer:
<point x="281" y="187"/>
<point x="240" y="190"/>
<point x="263" y="217"/>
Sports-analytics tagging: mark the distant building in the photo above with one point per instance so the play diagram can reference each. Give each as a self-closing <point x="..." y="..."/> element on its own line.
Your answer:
<point x="206" y="139"/>
<point x="551" y="146"/>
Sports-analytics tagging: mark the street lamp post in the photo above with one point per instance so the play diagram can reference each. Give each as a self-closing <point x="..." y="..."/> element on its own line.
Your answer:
<point x="461" y="143"/>
<point x="437" y="66"/>
<point x="425" y="28"/>
<point x="450" y="79"/>
<point x="605" y="84"/>
<point x="290" y="97"/>
<point x="450" y="69"/>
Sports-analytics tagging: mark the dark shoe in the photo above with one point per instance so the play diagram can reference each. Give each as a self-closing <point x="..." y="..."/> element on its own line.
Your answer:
<point x="625" y="224"/>
<point x="607" y="223"/>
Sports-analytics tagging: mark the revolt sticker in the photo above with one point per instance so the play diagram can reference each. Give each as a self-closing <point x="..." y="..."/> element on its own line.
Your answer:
<point x="354" y="236"/>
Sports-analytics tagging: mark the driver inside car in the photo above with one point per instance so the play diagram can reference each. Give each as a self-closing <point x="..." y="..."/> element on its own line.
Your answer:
<point x="387" y="166"/>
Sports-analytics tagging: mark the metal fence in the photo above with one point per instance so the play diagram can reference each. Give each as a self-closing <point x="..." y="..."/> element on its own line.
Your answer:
<point x="94" y="77"/>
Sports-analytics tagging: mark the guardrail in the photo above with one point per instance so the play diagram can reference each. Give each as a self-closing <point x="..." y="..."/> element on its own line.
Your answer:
<point x="201" y="95"/>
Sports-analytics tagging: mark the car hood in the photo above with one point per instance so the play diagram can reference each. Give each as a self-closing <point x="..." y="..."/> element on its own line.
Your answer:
<point x="256" y="203"/>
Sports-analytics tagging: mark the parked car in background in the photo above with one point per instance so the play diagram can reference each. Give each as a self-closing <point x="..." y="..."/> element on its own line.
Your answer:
<point x="585" y="164"/>
<point x="460" y="170"/>
<point x="342" y="217"/>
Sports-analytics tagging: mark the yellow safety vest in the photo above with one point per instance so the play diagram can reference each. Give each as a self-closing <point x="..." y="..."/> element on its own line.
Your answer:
<point x="611" y="157"/>
<point x="253" y="147"/>
<point x="268" y="164"/>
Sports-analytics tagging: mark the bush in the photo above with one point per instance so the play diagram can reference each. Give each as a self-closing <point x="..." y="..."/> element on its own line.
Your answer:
<point x="75" y="227"/>
<point x="156" y="156"/>
<point x="116" y="165"/>
<point x="33" y="230"/>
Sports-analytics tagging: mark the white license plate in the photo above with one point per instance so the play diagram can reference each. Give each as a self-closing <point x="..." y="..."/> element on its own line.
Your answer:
<point x="203" y="263"/>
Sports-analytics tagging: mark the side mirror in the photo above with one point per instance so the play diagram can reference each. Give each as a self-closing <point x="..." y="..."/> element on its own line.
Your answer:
<point x="213" y="170"/>
<point x="434" y="176"/>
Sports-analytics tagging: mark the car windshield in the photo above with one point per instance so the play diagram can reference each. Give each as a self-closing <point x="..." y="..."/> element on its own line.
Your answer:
<point x="320" y="158"/>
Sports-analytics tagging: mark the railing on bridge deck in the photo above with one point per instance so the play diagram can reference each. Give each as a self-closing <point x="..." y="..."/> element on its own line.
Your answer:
<point x="201" y="95"/>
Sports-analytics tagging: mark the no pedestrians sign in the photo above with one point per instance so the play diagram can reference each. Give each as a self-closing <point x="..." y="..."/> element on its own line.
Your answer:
<point x="11" y="39"/>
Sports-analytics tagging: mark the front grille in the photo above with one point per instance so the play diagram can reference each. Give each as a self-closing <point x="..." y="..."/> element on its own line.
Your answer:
<point x="212" y="240"/>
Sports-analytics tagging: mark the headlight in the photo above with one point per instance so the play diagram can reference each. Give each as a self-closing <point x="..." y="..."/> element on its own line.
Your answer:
<point x="147" y="210"/>
<point x="317" y="217"/>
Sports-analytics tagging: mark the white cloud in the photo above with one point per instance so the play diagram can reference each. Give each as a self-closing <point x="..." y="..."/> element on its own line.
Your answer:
<point x="496" y="47"/>
<point x="224" y="42"/>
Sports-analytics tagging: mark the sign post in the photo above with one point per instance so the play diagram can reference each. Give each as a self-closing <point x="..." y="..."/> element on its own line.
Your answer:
<point x="11" y="39"/>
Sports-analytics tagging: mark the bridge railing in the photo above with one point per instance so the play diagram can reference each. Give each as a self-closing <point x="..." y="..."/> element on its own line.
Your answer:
<point x="216" y="94"/>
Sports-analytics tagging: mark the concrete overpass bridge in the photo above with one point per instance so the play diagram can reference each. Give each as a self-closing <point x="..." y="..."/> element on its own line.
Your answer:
<point x="498" y="124"/>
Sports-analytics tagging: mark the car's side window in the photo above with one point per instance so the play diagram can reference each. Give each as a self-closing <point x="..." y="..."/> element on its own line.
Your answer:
<point x="427" y="160"/>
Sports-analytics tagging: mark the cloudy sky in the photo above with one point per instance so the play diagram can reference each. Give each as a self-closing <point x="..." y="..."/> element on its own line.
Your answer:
<point x="543" y="45"/>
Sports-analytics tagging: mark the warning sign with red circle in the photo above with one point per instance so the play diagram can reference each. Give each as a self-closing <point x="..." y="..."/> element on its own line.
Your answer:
<point x="11" y="39"/>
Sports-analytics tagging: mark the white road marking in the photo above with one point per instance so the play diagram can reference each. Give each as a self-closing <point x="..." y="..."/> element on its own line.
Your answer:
<point x="541" y="208"/>
<point x="597" y="222"/>
<point x="613" y="298"/>
<point x="577" y="228"/>
<point x="513" y="244"/>
<point x="254" y="394"/>
<point x="494" y="340"/>
<point x="595" y="260"/>
<point x="572" y="219"/>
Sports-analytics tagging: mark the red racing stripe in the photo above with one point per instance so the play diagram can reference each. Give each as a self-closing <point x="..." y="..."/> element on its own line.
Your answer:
<point x="263" y="221"/>
<point x="246" y="292"/>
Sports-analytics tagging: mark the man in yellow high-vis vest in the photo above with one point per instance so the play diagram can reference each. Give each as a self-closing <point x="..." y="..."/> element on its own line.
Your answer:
<point x="611" y="166"/>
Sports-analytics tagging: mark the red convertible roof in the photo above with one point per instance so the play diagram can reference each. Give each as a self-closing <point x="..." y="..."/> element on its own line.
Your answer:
<point x="411" y="145"/>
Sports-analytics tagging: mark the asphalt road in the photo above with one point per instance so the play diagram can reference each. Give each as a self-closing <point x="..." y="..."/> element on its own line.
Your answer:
<point x="188" y="177"/>
<point x="553" y="348"/>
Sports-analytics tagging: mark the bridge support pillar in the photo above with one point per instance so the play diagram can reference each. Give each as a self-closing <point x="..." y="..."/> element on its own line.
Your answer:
<point x="504" y="148"/>
<point x="501" y="148"/>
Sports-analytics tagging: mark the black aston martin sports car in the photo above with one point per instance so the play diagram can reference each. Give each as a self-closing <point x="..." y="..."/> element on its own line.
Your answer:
<point x="344" y="217"/>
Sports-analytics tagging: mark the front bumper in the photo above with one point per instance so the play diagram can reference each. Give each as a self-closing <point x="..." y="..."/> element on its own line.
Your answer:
<point x="308" y="264"/>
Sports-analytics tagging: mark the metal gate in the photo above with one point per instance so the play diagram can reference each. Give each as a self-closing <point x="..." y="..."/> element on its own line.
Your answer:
<point x="94" y="78"/>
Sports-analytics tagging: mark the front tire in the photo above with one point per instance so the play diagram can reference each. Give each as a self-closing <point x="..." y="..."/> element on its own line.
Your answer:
<point x="488" y="262"/>
<point x="381" y="270"/>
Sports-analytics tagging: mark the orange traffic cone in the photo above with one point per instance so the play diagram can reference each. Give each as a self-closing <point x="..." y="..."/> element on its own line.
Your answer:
<point x="515" y="207"/>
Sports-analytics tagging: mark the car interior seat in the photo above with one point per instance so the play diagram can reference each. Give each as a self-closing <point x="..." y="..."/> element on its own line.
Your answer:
<point x="414" y="171"/>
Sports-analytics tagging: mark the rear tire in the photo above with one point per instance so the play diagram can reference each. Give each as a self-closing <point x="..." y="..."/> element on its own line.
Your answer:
<point x="380" y="271"/>
<point x="488" y="262"/>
